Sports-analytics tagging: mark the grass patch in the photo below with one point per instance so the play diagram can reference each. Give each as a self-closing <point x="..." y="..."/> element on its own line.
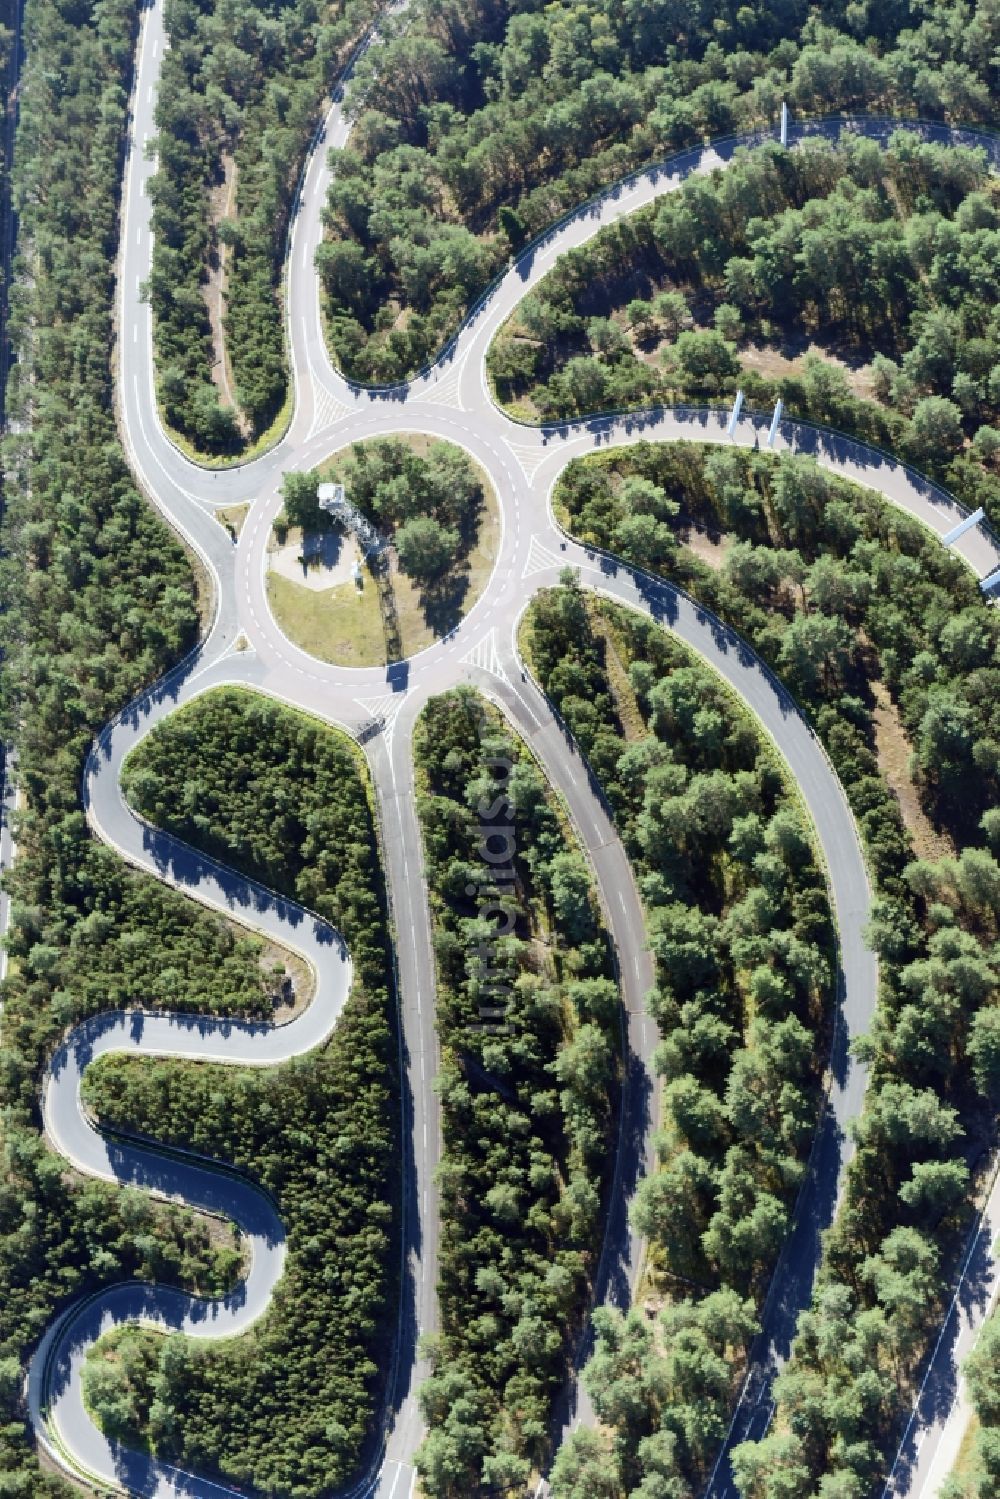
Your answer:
<point x="960" y="1482"/>
<point x="894" y="753"/>
<point x="232" y="518"/>
<point x="342" y="625"/>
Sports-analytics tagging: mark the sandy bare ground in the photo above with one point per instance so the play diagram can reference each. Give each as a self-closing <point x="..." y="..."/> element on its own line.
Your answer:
<point x="221" y="202"/>
<point x="893" y="750"/>
<point x="708" y="549"/>
<point x="774" y="363"/>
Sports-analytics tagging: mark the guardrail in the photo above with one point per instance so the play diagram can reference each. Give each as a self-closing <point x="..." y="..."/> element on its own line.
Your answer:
<point x="832" y="126"/>
<point x="864" y="452"/>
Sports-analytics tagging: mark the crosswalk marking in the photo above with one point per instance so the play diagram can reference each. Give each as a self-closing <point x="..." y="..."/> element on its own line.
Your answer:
<point x="530" y="456"/>
<point x="328" y="410"/>
<point x="540" y="559"/>
<point x="444" y="389"/>
<point x="486" y="657"/>
<point x="383" y="711"/>
<point x="379" y="706"/>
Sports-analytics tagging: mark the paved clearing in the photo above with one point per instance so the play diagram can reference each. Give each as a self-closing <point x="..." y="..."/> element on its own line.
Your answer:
<point x="317" y="560"/>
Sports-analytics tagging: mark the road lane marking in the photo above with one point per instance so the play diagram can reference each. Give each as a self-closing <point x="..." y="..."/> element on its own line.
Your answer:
<point x="610" y="213"/>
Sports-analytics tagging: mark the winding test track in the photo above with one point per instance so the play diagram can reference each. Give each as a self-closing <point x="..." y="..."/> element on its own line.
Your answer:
<point x="451" y="400"/>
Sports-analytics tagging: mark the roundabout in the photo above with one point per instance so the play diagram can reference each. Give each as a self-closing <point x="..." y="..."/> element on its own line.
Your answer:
<point x="379" y="705"/>
<point x="354" y="596"/>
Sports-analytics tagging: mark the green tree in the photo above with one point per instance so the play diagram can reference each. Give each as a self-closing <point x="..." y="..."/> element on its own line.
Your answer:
<point x="571" y="898"/>
<point x="644" y="541"/>
<point x="903" y="1275"/>
<point x="109" y="1398"/>
<point x="934" y="434"/>
<point x="815" y="652"/>
<point x="426" y="549"/>
<point x="772" y="1468"/>
<point x="345" y="272"/>
<point x="695" y="1111"/>
<point x="671" y="1208"/>
<point x="584" y="1468"/>
<point x="672" y="313"/>
<point x="728" y="321"/>
<point x="984" y="1050"/>
<point x="935" y="1187"/>
<point x="705" y="358"/>
<point x="299" y="493"/>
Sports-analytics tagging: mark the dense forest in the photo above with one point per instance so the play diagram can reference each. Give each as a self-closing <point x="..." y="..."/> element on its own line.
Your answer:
<point x="529" y="1020"/>
<point x="477" y="125"/>
<point x="857" y="283"/>
<point x="884" y="638"/>
<point x="741" y="933"/>
<point x="239" y="99"/>
<point x="98" y="599"/>
<point x="8" y="64"/>
<point x="287" y="1407"/>
<point x="480" y="124"/>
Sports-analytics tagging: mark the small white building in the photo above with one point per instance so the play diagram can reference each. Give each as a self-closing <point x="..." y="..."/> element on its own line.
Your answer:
<point x="330" y="496"/>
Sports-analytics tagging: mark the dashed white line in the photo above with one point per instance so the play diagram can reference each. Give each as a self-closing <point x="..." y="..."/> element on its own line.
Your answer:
<point x="511" y="506"/>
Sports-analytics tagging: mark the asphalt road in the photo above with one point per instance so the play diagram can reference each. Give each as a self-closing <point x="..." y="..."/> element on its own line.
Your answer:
<point x="943" y="1409"/>
<point x="8" y="795"/>
<point x="380" y="707"/>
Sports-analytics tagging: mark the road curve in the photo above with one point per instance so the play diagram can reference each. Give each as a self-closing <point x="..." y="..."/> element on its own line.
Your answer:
<point x="774" y="708"/>
<point x="54" y="1393"/>
<point x="451" y="400"/>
